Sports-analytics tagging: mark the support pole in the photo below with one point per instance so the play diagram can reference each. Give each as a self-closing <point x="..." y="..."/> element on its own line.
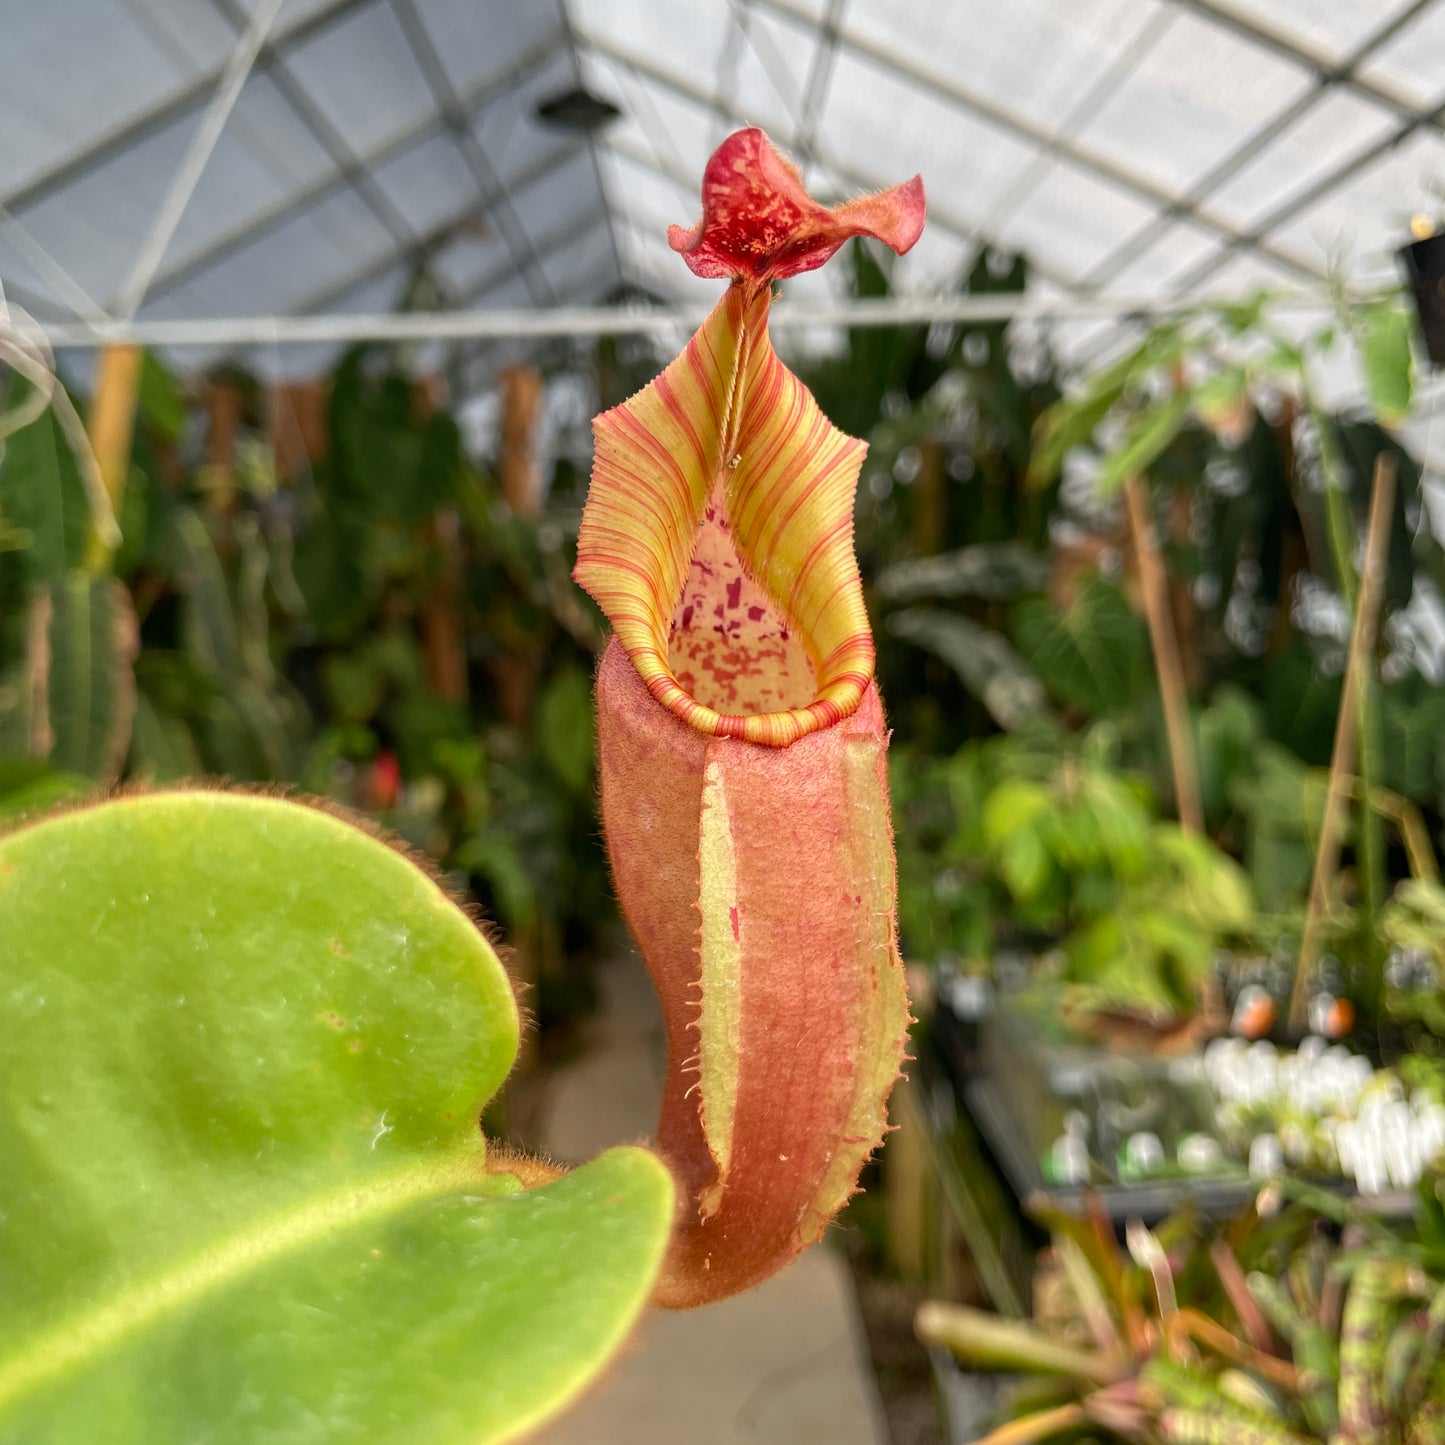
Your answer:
<point x="520" y="480"/>
<point x="1154" y="581"/>
<point x="111" y="428"/>
<point x="1362" y="647"/>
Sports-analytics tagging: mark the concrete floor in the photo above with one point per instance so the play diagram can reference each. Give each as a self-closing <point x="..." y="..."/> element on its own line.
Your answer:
<point x="782" y="1364"/>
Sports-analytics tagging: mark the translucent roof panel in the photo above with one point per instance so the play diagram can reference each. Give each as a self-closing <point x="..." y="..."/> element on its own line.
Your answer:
<point x="1203" y="91"/>
<point x="1138" y="149"/>
<point x="1333" y="130"/>
<point x="1414" y="61"/>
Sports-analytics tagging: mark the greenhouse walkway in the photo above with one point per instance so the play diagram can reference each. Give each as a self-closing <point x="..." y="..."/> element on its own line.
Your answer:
<point x="783" y="1363"/>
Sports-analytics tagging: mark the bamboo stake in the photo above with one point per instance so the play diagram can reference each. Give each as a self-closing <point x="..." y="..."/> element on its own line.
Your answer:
<point x="517" y="468"/>
<point x="1154" y="581"/>
<point x="111" y="427"/>
<point x="1362" y="646"/>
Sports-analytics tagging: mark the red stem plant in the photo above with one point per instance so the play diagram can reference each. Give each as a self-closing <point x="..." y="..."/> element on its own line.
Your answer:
<point x="743" y="747"/>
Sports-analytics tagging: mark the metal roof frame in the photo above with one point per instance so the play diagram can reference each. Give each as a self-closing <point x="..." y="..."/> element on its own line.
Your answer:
<point x="1030" y="132"/>
<point x="488" y="181"/>
<point x="325" y="134"/>
<point x="299" y="328"/>
<point x="1225" y="170"/>
<point x="190" y="97"/>
<point x="939" y="216"/>
<point x="494" y="194"/>
<point x="333" y="183"/>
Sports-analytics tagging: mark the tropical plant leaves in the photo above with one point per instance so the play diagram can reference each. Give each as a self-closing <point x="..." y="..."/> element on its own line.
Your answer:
<point x="45" y="496"/>
<point x="1148" y="433"/>
<point x="1072" y="421"/>
<point x="989" y="667"/>
<point x="245" y="1197"/>
<point x="71" y="698"/>
<point x="1386" y="361"/>
<point x="1091" y="654"/>
<point x="990" y="570"/>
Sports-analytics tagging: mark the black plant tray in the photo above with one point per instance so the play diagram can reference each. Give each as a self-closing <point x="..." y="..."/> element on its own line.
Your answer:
<point x="1018" y="1088"/>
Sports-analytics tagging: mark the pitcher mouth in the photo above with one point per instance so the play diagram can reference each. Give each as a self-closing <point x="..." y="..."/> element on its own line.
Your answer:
<point x="718" y="538"/>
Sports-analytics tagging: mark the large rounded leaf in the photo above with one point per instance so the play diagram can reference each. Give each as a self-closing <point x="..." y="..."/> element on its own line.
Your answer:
<point x="243" y="1192"/>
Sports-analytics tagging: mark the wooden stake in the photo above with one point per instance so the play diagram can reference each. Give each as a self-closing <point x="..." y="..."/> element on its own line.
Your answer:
<point x="1154" y="581"/>
<point x="443" y="644"/>
<point x="517" y="469"/>
<point x="1362" y="647"/>
<point x="112" y="426"/>
<point x="224" y="405"/>
<point x="299" y="421"/>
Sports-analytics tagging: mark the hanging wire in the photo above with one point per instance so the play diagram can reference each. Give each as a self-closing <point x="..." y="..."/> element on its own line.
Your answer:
<point x="49" y="270"/>
<point x="26" y="350"/>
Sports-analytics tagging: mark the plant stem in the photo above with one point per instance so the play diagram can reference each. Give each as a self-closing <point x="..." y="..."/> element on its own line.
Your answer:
<point x="1371" y="847"/>
<point x="1036" y="1427"/>
<point x="982" y="1339"/>
<point x="1212" y="1336"/>
<point x="1407" y="818"/>
<point x="1165" y="645"/>
<point x="1362" y="645"/>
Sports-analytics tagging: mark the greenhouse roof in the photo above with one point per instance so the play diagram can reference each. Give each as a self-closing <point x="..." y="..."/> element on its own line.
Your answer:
<point x="184" y="161"/>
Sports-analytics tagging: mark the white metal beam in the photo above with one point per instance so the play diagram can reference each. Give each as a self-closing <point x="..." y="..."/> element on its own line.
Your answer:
<point x="135" y="129"/>
<point x="193" y="163"/>
<point x="617" y="321"/>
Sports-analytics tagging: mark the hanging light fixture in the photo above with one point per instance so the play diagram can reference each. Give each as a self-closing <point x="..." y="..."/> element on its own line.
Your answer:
<point x="577" y="108"/>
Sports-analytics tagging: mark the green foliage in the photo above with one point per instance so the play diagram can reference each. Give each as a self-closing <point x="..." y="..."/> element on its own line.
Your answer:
<point x="69" y="697"/>
<point x="989" y="667"/>
<point x="947" y="412"/>
<point x="45" y="500"/>
<point x="1093" y="653"/>
<point x="1046" y="836"/>
<point x="1073" y="419"/>
<point x="1386" y="361"/>
<point x="245" y="1194"/>
<point x="1265" y="1330"/>
<point x="1282" y="804"/>
<point x="988" y="570"/>
<point x="283" y="636"/>
<point x="28" y="785"/>
<point x="90" y="641"/>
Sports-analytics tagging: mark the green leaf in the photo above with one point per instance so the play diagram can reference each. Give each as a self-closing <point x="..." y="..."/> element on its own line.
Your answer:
<point x="1146" y="437"/>
<point x="1023" y="864"/>
<point x="1015" y="805"/>
<point x="988" y="569"/>
<point x="1090" y="654"/>
<point x="1072" y="421"/>
<point x="210" y="622"/>
<point x="1219" y="398"/>
<point x="162" y="749"/>
<point x="90" y="645"/>
<point x="45" y="495"/>
<point x="245" y="1196"/>
<point x="1386" y="360"/>
<point x="27" y="785"/>
<point x="564" y="727"/>
<point x="159" y="402"/>
<point x="991" y="670"/>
